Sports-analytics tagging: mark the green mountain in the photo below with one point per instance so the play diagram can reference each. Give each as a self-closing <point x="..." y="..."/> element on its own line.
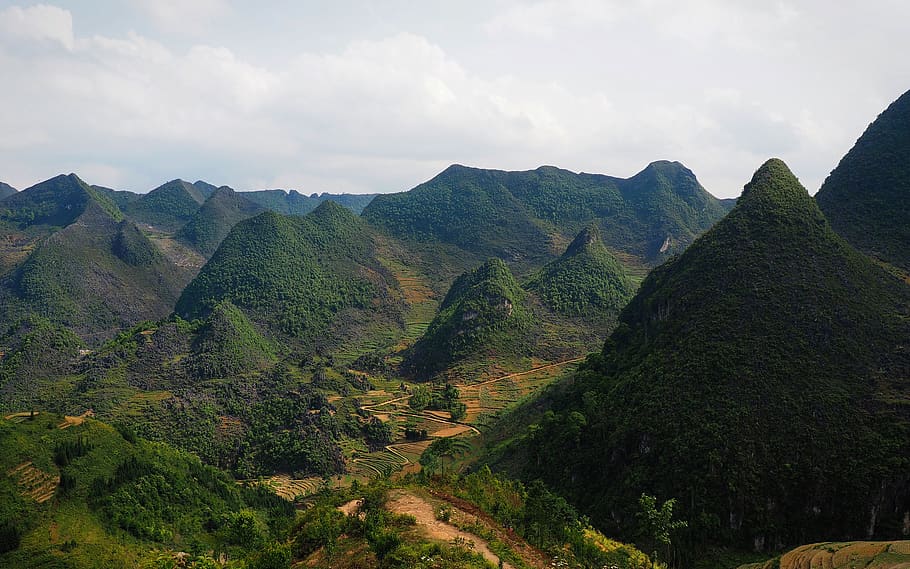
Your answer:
<point x="75" y="492"/>
<point x="72" y="259"/>
<point x="759" y="378"/>
<point x="867" y="197"/>
<point x="585" y="281"/>
<point x="484" y="312"/>
<point x="120" y="197"/>
<point x="295" y="203"/>
<point x="213" y="221"/>
<point x="168" y="206"/>
<point x="294" y="275"/>
<point x="525" y="217"/>
<point x="6" y="190"/>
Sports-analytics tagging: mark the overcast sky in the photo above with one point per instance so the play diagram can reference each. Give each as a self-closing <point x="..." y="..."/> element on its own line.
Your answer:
<point x="360" y="96"/>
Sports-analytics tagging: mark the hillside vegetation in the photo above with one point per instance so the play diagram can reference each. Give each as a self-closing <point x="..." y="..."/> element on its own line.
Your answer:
<point x="756" y="378"/>
<point x="292" y="274"/>
<point x="867" y="197"/>
<point x="585" y="281"/>
<point x="484" y="312"/>
<point x="526" y="217"/>
<point x="75" y="261"/>
<point x="78" y="493"/>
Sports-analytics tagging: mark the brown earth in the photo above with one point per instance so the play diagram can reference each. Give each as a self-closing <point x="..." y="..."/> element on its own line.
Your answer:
<point x="402" y="502"/>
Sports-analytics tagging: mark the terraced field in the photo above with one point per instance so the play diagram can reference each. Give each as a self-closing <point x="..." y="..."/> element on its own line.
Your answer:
<point x="849" y="555"/>
<point x="287" y="487"/>
<point x="33" y="482"/>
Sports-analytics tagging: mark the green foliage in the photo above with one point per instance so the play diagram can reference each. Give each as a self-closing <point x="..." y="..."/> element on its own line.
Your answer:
<point x="656" y="525"/>
<point x="169" y="206"/>
<point x="213" y="221"/>
<point x="867" y="197"/>
<point x="546" y="520"/>
<point x="133" y="248"/>
<point x="485" y="309"/>
<point x="295" y="203"/>
<point x="443" y="399"/>
<point x="585" y="281"/>
<point x="292" y="274"/>
<point x="95" y="276"/>
<point x="510" y="214"/>
<point x="228" y="344"/>
<point x="117" y="501"/>
<point x="756" y="377"/>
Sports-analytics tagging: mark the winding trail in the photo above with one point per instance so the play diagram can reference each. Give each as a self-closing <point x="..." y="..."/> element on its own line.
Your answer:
<point x="373" y="408"/>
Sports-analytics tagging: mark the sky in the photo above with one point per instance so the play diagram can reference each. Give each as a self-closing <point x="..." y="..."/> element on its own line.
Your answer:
<point x="361" y="96"/>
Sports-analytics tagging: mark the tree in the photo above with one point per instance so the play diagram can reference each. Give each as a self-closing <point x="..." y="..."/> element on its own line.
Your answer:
<point x="657" y="524"/>
<point x="448" y="447"/>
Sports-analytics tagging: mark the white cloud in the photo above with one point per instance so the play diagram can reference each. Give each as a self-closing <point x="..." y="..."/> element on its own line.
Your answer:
<point x="39" y="24"/>
<point x="589" y="85"/>
<point x="184" y="16"/>
<point x="544" y="19"/>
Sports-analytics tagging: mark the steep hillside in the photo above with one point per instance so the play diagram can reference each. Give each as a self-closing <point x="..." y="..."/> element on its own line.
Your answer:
<point x="6" y="190"/>
<point x="293" y="275"/>
<point x="77" y="493"/>
<point x="214" y="220"/>
<point x="78" y="264"/>
<point x="526" y="217"/>
<point x="867" y="197"/>
<point x="484" y="312"/>
<point x="585" y="281"/>
<point x="761" y="378"/>
<point x="168" y="206"/>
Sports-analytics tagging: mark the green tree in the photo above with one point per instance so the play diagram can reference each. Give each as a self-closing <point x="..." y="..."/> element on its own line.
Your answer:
<point x="656" y="525"/>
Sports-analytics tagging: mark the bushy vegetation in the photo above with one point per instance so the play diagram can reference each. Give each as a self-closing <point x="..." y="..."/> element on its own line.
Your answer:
<point x="292" y="274"/>
<point x="585" y="281"/>
<point x="213" y="221"/>
<point x="119" y="501"/>
<point x="483" y="310"/>
<point x="169" y="206"/>
<point x="756" y="378"/>
<point x="867" y="197"/>
<point x="512" y="215"/>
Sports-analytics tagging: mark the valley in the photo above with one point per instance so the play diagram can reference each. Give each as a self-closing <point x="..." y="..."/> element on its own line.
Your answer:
<point x="202" y="377"/>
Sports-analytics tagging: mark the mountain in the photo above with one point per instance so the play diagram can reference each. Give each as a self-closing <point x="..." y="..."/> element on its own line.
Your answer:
<point x="75" y="492"/>
<point x="74" y="260"/>
<point x="867" y="197"/>
<point x="6" y="190"/>
<point x="294" y="275"/>
<point x="295" y="203"/>
<point x="524" y="217"/>
<point x="168" y="206"/>
<point x="760" y="378"/>
<point x="213" y="221"/>
<point x="585" y="281"/>
<point x="484" y="310"/>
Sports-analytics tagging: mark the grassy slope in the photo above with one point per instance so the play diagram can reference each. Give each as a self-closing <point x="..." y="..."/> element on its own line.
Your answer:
<point x="768" y="324"/>
<point x="867" y="197"/>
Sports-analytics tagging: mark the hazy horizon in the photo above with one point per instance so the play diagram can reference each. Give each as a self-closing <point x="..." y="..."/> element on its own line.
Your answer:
<point x="362" y="97"/>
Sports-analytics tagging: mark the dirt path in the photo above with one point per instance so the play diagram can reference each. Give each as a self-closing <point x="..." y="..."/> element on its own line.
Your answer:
<point x="453" y="428"/>
<point x="402" y="502"/>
